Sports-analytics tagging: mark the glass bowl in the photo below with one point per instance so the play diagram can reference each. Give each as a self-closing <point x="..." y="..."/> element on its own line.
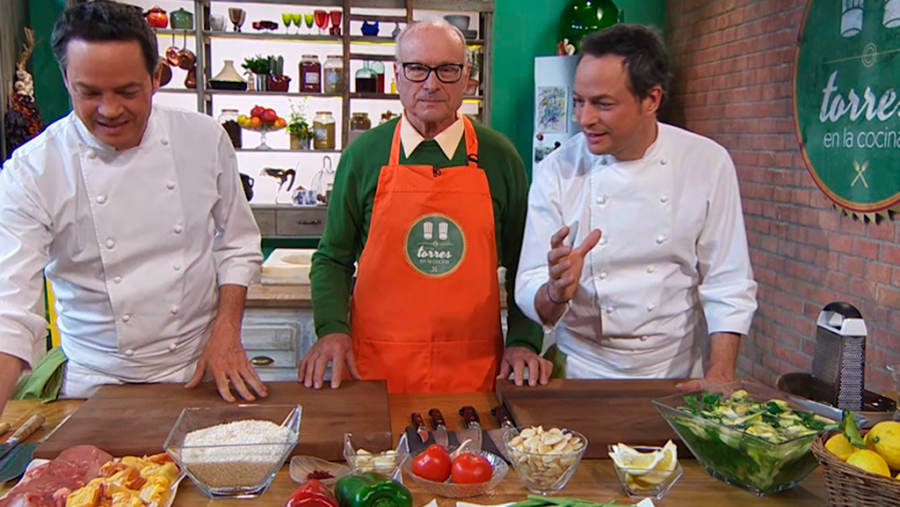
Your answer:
<point x="450" y="490"/>
<point x="544" y="474"/>
<point x="239" y="460"/>
<point x="735" y="456"/>
<point x="379" y="456"/>
<point x="639" y="483"/>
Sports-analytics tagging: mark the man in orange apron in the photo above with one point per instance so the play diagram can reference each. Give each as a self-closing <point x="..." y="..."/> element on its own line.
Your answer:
<point x="428" y="206"/>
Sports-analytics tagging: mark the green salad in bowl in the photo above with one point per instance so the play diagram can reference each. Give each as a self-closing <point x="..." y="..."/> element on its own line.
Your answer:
<point x="747" y="434"/>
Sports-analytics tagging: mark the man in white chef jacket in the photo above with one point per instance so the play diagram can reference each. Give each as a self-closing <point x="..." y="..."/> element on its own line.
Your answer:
<point x="635" y="231"/>
<point x="136" y="215"/>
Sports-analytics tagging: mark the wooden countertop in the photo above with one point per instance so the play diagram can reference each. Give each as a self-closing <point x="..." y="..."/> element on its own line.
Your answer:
<point x="595" y="479"/>
<point x="296" y="296"/>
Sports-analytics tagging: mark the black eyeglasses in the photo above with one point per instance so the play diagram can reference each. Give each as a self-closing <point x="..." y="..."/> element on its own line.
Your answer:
<point x="446" y="73"/>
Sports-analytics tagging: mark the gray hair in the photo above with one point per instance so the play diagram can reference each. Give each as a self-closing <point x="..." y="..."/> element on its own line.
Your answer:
<point x="432" y="22"/>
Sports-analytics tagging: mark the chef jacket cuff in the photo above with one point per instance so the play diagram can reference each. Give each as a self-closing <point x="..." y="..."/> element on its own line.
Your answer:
<point x="239" y="275"/>
<point x="729" y="309"/>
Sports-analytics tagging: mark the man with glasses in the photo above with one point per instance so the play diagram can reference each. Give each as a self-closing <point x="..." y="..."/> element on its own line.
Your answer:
<point x="429" y="206"/>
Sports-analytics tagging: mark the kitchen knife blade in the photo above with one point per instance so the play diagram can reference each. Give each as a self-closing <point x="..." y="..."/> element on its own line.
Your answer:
<point x="440" y="427"/>
<point x="14" y="464"/>
<point x="31" y="425"/>
<point x="419" y="425"/>
<point x="506" y="424"/>
<point x="473" y="423"/>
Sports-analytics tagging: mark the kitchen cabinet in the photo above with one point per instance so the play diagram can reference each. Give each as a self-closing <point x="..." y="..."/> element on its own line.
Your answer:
<point x="276" y="221"/>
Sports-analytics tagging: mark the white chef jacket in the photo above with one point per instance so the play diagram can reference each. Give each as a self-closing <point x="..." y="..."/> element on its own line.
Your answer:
<point x="134" y="243"/>
<point x="673" y="242"/>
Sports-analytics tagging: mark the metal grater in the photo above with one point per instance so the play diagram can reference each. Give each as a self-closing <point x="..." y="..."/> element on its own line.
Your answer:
<point x="839" y="364"/>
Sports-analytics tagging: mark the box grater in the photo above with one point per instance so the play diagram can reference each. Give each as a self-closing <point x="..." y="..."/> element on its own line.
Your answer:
<point x="839" y="364"/>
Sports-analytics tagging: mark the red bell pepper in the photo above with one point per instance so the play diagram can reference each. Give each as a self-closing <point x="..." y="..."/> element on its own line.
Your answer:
<point x="311" y="493"/>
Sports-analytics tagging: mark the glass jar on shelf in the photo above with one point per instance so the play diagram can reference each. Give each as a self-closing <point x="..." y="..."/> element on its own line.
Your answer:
<point x="334" y="74"/>
<point x="378" y="68"/>
<point x="229" y="121"/>
<point x="323" y="126"/>
<point x="366" y="80"/>
<point x="310" y="74"/>
<point x="359" y="123"/>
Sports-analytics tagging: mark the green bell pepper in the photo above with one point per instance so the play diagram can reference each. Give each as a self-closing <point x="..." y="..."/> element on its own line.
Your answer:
<point x="371" y="489"/>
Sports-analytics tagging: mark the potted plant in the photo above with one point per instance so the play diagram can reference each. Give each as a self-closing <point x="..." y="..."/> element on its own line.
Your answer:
<point x="278" y="82"/>
<point x="260" y="67"/>
<point x="298" y="127"/>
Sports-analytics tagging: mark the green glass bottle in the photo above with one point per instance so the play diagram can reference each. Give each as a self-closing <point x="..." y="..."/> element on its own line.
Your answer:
<point x="582" y="17"/>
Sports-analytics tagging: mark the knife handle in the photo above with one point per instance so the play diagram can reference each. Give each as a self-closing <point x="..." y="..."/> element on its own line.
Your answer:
<point x="502" y="416"/>
<point x="437" y="418"/>
<point x="469" y="415"/>
<point x="31" y="425"/>
<point x="417" y="420"/>
<point x="4" y="427"/>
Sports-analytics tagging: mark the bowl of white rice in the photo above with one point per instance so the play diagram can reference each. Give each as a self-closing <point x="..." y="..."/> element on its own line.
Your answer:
<point x="234" y="451"/>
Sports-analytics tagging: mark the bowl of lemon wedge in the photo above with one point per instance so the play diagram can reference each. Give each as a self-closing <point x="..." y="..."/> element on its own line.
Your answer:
<point x="645" y="471"/>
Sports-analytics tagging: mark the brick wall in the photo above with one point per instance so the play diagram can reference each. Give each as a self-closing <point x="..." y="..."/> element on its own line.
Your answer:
<point x="733" y="65"/>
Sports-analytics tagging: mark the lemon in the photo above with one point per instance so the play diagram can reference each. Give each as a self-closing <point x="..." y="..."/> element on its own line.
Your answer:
<point x="664" y="468"/>
<point x="634" y="461"/>
<point x="840" y="446"/>
<point x="869" y="461"/>
<point x="884" y="438"/>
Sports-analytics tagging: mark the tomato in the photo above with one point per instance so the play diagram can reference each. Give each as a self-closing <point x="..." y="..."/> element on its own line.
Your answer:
<point x="432" y="464"/>
<point x="257" y="111"/>
<point x="470" y="468"/>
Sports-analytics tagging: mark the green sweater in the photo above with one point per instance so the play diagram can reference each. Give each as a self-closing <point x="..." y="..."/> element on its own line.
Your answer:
<point x="350" y="211"/>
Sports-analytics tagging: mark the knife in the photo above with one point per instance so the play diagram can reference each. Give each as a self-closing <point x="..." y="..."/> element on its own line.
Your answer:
<point x="506" y="424"/>
<point x="473" y="433"/>
<point x="4" y="427"/>
<point x="31" y="425"/>
<point x="419" y="424"/>
<point x="440" y="427"/>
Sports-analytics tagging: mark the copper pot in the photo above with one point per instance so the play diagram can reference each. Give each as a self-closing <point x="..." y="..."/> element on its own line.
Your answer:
<point x="186" y="59"/>
<point x="165" y="72"/>
<point x="191" y="80"/>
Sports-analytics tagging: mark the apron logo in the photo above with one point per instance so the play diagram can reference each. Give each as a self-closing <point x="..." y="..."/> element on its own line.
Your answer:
<point x="435" y="245"/>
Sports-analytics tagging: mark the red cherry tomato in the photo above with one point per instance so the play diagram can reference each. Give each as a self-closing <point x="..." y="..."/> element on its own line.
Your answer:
<point x="471" y="468"/>
<point x="432" y="464"/>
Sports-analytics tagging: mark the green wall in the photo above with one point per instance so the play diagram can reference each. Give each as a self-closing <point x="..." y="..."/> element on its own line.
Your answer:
<point x="49" y="90"/>
<point x="524" y="29"/>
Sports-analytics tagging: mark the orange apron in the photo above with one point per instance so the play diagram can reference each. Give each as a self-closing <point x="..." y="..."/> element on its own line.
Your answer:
<point x="425" y="312"/>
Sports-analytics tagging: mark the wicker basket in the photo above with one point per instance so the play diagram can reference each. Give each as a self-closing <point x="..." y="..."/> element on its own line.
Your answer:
<point x="849" y="486"/>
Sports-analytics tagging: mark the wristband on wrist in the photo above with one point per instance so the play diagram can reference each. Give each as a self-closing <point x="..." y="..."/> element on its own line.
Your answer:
<point x="551" y="297"/>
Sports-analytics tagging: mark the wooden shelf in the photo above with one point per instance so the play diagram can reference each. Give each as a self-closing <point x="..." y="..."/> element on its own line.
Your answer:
<point x="380" y="19"/>
<point x="175" y="31"/>
<point x="373" y="58"/>
<point x="273" y="94"/>
<point x="274" y="36"/>
<point x="396" y="96"/>
<point x="366" y="39"/>
<point x="177" y="90"/>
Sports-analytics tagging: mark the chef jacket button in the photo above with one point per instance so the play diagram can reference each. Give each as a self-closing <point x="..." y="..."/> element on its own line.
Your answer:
<point x="643" y="338"/>
<point x="663" y="162"/>
<point x="603" y="241"/>
<point x="110" y="243"/>
<point x="650" y="269"/>
<point x="170" y="185"/>
<point x="129" y="352"/>
<point x="603" y="275"/>
<point x="610" y="309"/>
<point x="178" y="229"/>
<point x="172" y="348"/>
<point x="164" y="141"/>
<point x="664" y="198"/>
<point x="101" y="199"/>
<point x="650" y="308"/>
<point x="660" y="239"/>
<point x="126" y="317"/>
<point x="174" y="310"/>
<point x="602" y="199"/>
<point x="91" y="154"/>
<point x="117" y="279"/>
<point x="177" y="267"/>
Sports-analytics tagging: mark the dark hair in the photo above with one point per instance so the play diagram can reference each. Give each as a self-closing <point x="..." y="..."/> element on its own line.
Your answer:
<point x="643" y="51"/>
<point x="102" y="21"/>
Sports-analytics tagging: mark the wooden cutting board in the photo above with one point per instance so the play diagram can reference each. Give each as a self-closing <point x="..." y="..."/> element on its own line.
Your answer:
<point x="605" y="411"/>
<point x="135" y="419"/>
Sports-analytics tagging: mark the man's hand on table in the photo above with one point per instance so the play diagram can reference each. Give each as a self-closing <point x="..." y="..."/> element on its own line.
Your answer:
<point x="516" y="359"/>
<point x="225" y="360"/>
<point x="335" y="348"/>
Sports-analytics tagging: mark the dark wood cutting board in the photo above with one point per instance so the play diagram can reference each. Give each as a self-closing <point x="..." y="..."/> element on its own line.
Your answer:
<point x="135" y="419"/>
<point x="605" y="411"/>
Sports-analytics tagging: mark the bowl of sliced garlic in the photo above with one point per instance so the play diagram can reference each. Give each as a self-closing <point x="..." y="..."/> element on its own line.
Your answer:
<point x="362" y="454"/>
<point x="545" y="459"/>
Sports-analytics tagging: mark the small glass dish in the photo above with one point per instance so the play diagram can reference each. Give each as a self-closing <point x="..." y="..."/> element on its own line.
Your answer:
<point x="544" y="474"/>
<point x="448" y="489"/>
<point x="304" y="468"/>
<point x="378" y="456"/>
<point x="245" y="468"/>
<point x="639" y="483"/>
